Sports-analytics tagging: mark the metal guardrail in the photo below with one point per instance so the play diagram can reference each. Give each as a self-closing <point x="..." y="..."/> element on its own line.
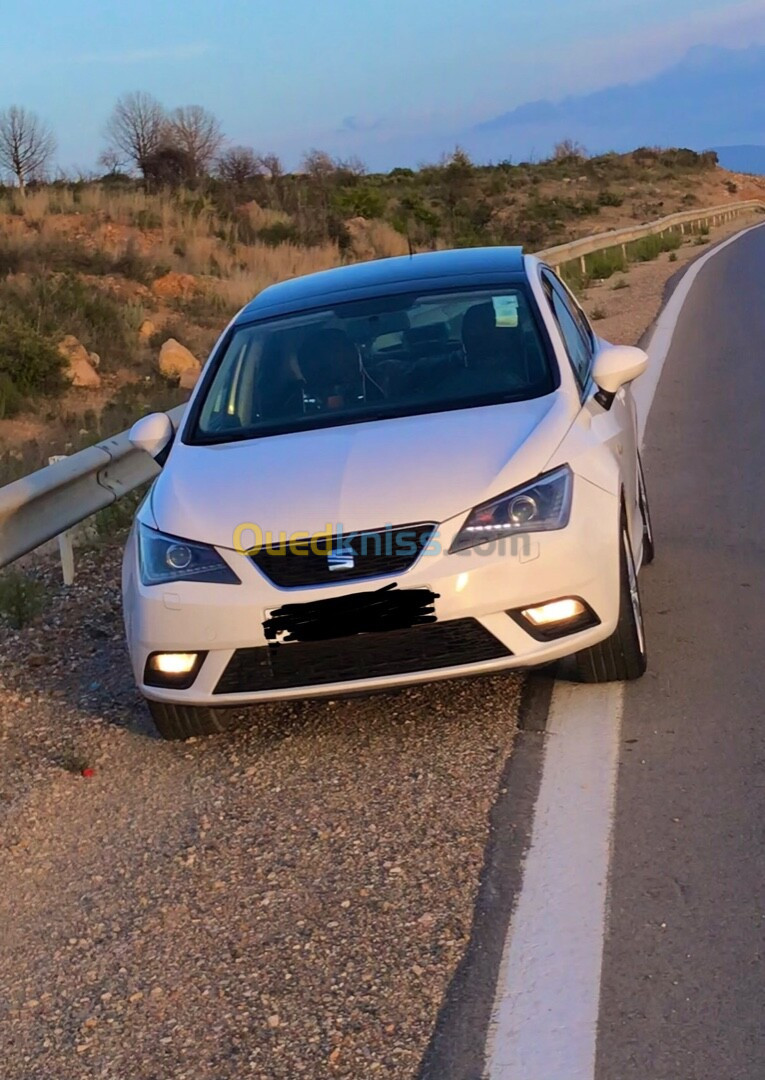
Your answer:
<point x="44" y="504"/>
<point x="588" y="245"/>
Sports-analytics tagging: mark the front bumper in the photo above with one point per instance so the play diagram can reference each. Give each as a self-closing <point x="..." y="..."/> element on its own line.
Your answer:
<point x="475" y="591"/>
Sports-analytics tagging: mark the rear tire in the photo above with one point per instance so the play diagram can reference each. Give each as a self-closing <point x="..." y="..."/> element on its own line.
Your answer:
<point x="649" y="546"/>
<point x="622" y="656"/>
<point x="186" y="721"/>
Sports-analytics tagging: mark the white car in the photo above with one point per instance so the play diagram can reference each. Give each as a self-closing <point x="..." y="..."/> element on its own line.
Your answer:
<point x="389" y="473"/>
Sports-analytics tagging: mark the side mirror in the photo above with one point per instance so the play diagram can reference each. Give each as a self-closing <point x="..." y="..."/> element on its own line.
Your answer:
<point x="154" y="434"/>
<point x="617" y="365"/>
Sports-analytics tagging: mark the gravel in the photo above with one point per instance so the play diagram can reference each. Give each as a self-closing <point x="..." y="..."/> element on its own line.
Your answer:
<point x="287" y="900"/>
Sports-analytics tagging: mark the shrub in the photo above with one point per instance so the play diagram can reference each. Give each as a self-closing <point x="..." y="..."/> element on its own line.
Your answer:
<point x="280" y="232"/>
<point x="649" y="247"/>
<point x="131" y="264"/>
<point x="602" y="264"/>
<point x="52" y="307"/>
<point x="116" y="519"/>
<point x="622" y="283"/>
<point x="29" y="360"/>
<point x="21" y="598"/>
<point x="609" y="198"/>
<point x="598" y="313"/>
<point x="11" y="399"/>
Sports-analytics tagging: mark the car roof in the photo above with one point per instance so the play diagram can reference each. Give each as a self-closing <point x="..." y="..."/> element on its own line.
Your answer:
<point x="431" y="269"/>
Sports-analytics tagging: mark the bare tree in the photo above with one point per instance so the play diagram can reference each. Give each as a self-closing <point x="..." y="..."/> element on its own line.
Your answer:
<point x="112" y="160"/>
<point x="197" y="133"/>
<point x="137" y="128"/>
<point x="238" y="165"/>
<point x="26" y="144"/>
<point x="272" y="165"/>
<point x="569" y="150"/>
<point x="352" y="166"/>
<point x="318" y="164"/>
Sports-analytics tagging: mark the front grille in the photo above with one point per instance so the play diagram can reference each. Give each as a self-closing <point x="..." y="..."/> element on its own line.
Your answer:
<point x="365" y="656"/>
<point x="375" y="553"/>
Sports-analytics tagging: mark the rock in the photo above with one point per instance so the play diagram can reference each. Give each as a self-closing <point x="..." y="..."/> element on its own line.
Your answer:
<point x="95" y="360"/>
<point x="174" y="286"/>
<point x="176" y="361"/>
<point x="188" y="379"/>
<point x="146" y="330"/>
<point x="78" y="368"/>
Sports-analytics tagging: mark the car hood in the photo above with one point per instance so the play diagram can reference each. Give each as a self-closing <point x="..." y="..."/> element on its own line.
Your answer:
<point x="358" y="476"/>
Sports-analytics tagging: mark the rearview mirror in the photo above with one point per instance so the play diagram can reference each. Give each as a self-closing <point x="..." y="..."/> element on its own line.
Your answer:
<point x="154" y="434"/>
<point x="617" y="365"/>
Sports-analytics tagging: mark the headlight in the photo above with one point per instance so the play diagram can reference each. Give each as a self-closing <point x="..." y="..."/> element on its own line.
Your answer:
<point x="540" y="506"/>
<point x="166" y="558"/>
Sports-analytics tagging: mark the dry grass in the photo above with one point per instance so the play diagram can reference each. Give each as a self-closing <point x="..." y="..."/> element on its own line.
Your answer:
<point x="173" y="233"/>
<point x="250" y="268"/>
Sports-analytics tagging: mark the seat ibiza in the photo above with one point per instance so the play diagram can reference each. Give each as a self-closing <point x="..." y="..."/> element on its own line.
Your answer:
<point x="389" y="473"/>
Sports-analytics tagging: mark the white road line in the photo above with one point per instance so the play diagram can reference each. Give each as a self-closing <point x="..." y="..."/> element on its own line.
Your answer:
<point x="546" y="1013"/>
<point x="544" y="1024"/>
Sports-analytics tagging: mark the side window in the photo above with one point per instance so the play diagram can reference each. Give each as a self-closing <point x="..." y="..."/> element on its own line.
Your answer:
<point x="575" y="334"/>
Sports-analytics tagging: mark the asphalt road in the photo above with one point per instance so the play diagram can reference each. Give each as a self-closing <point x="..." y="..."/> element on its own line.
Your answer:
<point x="683" y="989"/>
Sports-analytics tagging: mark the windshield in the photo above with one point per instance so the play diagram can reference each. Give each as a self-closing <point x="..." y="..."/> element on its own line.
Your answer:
<point x="374" y="359"/>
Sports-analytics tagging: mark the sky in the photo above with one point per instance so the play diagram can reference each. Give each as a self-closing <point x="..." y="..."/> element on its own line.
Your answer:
<point x="393" y="81"/>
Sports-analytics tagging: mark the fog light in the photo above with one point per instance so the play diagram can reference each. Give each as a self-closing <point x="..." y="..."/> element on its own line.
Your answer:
<point x="556" y="618"/>
<point x="555" y="612"/>
<point x="170" y="663"/>
<point x="173" y="670"/>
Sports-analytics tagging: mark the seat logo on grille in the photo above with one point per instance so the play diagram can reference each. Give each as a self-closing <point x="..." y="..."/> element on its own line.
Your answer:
<point x="341" y="558"/>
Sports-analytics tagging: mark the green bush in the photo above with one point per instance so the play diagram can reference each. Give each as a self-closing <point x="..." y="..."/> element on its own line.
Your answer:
<point x="602" y="264"/>
<point x="21" y="598"/>
<point x="11" y="398"/>
<point x="609" y="198"/>
<point x="363" y="201"/>
<point x="29" y="360"/>
<point x="649" y="247"/>
<point x="280" y="232"/>
<point x="52" y="307"/>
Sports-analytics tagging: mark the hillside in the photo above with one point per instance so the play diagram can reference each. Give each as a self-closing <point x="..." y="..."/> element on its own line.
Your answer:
<point x="121" y="271"/>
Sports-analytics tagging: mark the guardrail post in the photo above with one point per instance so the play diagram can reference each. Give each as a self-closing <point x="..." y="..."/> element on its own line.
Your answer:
<point x="583" y="265"/>
<point x="65" y="540"/>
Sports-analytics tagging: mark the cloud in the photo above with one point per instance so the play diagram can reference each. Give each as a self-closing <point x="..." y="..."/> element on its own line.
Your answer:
<point x="186" y="51"/>
<point x="357" y="124"/>
<point x="644" y="52"/>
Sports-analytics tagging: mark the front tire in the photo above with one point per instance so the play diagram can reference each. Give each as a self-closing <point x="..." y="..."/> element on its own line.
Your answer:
<point x="186" y="721"/>
<point x="622" y="656"/>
